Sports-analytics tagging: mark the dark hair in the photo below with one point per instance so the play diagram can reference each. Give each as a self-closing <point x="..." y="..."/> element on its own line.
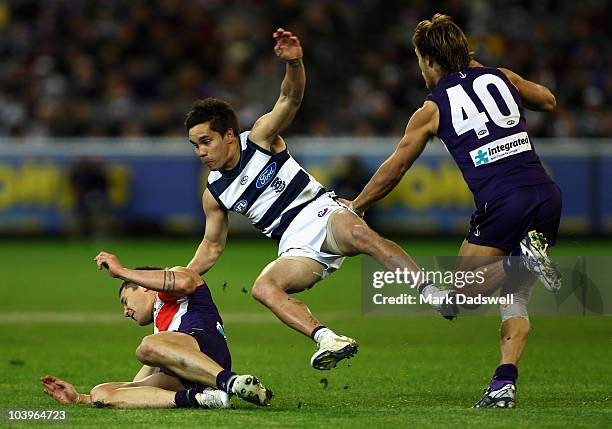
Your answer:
<point x="442" y="40"/>
<point x="219" y="113"/>
<point x="134" y="286"/>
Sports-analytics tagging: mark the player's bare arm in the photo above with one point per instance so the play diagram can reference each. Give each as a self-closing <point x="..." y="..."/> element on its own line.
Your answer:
<point x="176" y="281"/>
<point x="266" y="129"/>
<point x="215" y="235"/>
<point x="534" y="95"/>
<point x="421" y="127"/>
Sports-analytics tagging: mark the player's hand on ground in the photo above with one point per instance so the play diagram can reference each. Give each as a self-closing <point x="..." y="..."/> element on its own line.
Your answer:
<point x="110" y="262"/>
<point x="61" y="391"/>
<point x="287" y="45"/>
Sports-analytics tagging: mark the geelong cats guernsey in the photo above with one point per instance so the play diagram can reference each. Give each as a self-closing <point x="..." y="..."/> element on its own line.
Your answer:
<point x="269" y="189"/>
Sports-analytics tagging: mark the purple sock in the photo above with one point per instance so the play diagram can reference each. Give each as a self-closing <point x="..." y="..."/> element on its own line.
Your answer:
<point x="504" y="374"/>
<point x="224" y="381"/>
<point x="186" y="398"/>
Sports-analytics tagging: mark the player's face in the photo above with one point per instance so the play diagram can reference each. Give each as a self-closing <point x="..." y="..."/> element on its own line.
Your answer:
<point x="214" y="149"/>
<point x="138" y="304"/>
<point x="426" y="70"/>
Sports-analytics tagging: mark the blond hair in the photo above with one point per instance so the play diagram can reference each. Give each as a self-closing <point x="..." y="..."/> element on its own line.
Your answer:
<point x="443" y="41"/>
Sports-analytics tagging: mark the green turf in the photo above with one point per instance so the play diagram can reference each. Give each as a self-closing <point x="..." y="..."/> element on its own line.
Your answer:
<point x="410" y="372"/>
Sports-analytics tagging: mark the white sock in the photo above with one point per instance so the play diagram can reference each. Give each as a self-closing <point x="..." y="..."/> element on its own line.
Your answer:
<point x="230" y="383"/>
<point x="433" y="291"/>
<point x="322" y="334"/>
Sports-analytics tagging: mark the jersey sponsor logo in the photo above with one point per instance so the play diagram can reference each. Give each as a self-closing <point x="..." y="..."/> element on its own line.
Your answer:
<point x="266" y="176"/>
<point x="501" y="148"/>
<point x="278" y="185"/>
<point x="240" y="206"/>
<point x="244" y="180"/>
<point x="323" y="212"/>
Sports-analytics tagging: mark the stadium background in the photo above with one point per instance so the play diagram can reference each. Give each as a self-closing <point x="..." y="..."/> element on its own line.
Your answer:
<point x="93" y="156"/>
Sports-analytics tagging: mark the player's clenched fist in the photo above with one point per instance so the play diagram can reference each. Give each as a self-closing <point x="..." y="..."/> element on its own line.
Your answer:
<point x="287" y="45"/>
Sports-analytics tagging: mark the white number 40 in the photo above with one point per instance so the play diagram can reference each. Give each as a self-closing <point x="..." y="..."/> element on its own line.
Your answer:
<point x="465" y="114"/>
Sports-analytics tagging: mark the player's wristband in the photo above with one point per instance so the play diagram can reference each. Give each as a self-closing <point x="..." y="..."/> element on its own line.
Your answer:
<point x="295" y="61"/>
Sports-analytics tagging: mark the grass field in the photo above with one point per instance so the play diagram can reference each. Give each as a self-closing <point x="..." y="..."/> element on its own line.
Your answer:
<point x="62" y="317"/>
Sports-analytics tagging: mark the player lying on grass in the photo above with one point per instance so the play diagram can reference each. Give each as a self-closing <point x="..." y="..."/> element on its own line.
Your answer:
<point x="185" y="356"/>
<point x="252" y="173"/>
<point x="478" y="114"/>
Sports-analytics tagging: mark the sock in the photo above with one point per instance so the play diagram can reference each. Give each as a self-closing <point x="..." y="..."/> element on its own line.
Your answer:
<point x="225" y="381"/>
<point x="321" y="332"/>
<point x="504" y="374"/>
<point x="429" y="289"/>
<point x="186" y="398"/>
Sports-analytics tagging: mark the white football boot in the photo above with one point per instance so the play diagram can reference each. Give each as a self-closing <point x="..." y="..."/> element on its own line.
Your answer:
<point x="501" y="398"/>
<point x="213" y="398"/>
<point x="332" y="350"/>
<point x="536" y="260"/>
<point x="250" y="389"/>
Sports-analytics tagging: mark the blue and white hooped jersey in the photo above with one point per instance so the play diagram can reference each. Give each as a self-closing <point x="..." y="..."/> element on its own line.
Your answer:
<point x="269" y="189"/>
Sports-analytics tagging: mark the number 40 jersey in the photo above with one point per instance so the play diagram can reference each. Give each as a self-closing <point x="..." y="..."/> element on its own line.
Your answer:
<point x="483" y="127"/>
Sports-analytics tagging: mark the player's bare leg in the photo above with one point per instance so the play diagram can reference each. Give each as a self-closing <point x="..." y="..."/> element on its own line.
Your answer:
<point x="284" y="276"/>
<point x="155" y="391"/>
<point x="293" y="274"/>
<point x="180" y="354"/>
<point x="486" y="260"/>
<point x="350" y="235"/>
<point x="515" y="328"/>
<point x="513" y="338"/>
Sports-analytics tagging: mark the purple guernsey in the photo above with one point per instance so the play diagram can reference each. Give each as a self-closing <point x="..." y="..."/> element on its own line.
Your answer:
<point x="483" y="127"/>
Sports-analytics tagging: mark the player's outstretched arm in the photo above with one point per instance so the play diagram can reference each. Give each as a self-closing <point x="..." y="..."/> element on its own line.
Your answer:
<point x="421" y="127"/>
<point x="534" y="95"/>
<point x="63" y="392"/>
<point x="215" y="235"/>
<point x="271" y="124"/>
<point x="176" y="281"/>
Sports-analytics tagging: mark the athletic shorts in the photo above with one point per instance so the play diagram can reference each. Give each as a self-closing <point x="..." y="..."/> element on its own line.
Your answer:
<point x="213" y="344"/>
<point x="503" y="222"/>
<point x="306" y="233"/>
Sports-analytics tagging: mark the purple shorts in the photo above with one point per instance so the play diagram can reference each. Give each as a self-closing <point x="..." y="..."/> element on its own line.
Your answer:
<point x="503" y="222"/>
<point x="213" y="344"/>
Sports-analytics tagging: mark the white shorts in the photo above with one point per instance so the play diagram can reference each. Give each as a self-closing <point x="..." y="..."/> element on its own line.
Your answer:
<point x="306" y="233"/>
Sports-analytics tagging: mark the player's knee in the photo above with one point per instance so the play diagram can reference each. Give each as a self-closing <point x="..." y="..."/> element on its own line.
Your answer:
<point x="263" y="289"/>
<point x="148" y="352"/>
<point x="363" y="238"/>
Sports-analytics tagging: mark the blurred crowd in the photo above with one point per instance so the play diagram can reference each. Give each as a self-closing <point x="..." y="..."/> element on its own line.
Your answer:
<point x="131" y="68"/>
